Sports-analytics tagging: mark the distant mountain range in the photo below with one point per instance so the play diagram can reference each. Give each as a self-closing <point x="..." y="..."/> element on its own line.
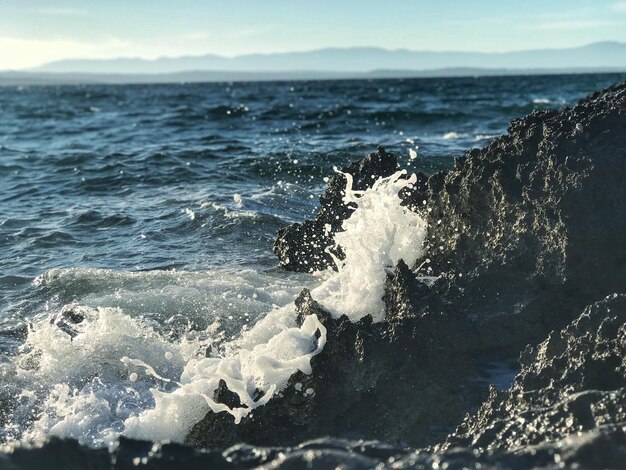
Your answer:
<point x="357" y="62"/>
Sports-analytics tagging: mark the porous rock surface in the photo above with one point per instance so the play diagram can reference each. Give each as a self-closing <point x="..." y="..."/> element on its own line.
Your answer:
<point x="536" y="220"/>
<point x="573" y="382"/>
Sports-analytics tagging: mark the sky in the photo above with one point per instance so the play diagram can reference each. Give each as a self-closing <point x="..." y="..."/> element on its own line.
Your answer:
<point x="34" y="32"/>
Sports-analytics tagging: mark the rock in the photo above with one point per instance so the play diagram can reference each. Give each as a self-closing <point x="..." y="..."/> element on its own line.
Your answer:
<point x="602" y="448"/>
<point x="68" y="454"/>
<point x="403" y="294"/>
<point x="224" y="395"/>
<point x="535" y="222"/>
<point x="573" y="382"/>
<point x="133" y="453"/>
<point x="57" y="454"/>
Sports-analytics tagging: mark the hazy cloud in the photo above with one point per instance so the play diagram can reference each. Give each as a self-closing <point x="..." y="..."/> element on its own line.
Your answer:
<point x="479" y="21"/>
<point x="62" y="12"/>
<point x="246" y="33"/>
<point x="20" y="53"/>
<point x="620" y="6"/>
<point x="570" y="25"/>
<point x="194" y="36"/>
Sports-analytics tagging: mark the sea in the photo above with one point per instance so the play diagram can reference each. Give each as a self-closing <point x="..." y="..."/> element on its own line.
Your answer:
<point x="137" y="223"/>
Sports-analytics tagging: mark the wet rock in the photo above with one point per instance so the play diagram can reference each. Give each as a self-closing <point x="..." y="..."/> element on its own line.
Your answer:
<point x="68" y="454"/>
<point x="322" y="460"/>
<point x="302" y="246"/>
<point x="416" y="197"/>
<point x="573" y="382"/>
<point x="133" y="453"/>
<point x="56" y="454"/>
<point x="227" y="397"/>
<point x="603" y="448"/>
<point x="535" y="223"/>
<point x="403" y="293"/>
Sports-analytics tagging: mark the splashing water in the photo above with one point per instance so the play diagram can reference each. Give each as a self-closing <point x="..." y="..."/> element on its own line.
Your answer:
<point x="254" y="374"/>
<point x="118" y="374"/>
<point x="377" y="235"/>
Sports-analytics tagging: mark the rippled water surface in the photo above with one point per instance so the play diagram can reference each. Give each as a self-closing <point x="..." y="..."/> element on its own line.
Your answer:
<point x="164" y="200"/>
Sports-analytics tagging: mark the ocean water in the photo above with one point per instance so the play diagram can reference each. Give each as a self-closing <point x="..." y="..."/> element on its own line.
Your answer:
<point x="136" y="226"/>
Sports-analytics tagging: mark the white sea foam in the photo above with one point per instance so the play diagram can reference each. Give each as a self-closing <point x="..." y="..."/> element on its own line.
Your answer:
<point x="191" y="214"/>
<point x="478" y="137"/>
<point x="453" y="135"/>
<point x="254" y="374"/>
<point x="377" y="235"/>
<point x="229" y="213"/>
<point x="128" y="368"/>
<point x="89" y="384"/>
<point x="76" y="385"/>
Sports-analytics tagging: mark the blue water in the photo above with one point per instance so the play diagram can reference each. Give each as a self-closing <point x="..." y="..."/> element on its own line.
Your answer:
<point x="196" y="177"/>
<point x="86" y="170"/>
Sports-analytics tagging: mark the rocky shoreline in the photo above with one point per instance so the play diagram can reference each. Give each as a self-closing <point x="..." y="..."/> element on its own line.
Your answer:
<point x="523" y="236"/>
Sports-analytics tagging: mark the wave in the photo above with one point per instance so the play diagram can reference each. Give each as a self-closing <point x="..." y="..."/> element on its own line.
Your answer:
<point x="231" y="213"/>
<point x="143" y="354"/>
<point x="453" y="135"/>
<point x="68" y="375"/>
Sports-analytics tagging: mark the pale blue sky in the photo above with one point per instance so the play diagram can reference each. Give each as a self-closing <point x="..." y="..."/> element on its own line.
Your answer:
<point x="33" y="32"/>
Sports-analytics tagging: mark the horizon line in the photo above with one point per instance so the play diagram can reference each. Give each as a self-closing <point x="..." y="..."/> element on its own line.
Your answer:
<point x="305" y="51"/>
<point x="204" y="76"/>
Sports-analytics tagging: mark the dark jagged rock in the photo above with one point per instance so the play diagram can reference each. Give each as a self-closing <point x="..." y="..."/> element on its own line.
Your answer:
<point x="403" y="294"/>
<point x="302" y="247"/>
<point x="225" y="396"/>
<point x="133" y="453"/>
<point x="536" y="221"/>
<point x="573" y="382"/>
<point x="68" y="454"/>
<point x="57" y="454"/>
<point x="416" y="197"/>
<point x="604" y="448"/>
